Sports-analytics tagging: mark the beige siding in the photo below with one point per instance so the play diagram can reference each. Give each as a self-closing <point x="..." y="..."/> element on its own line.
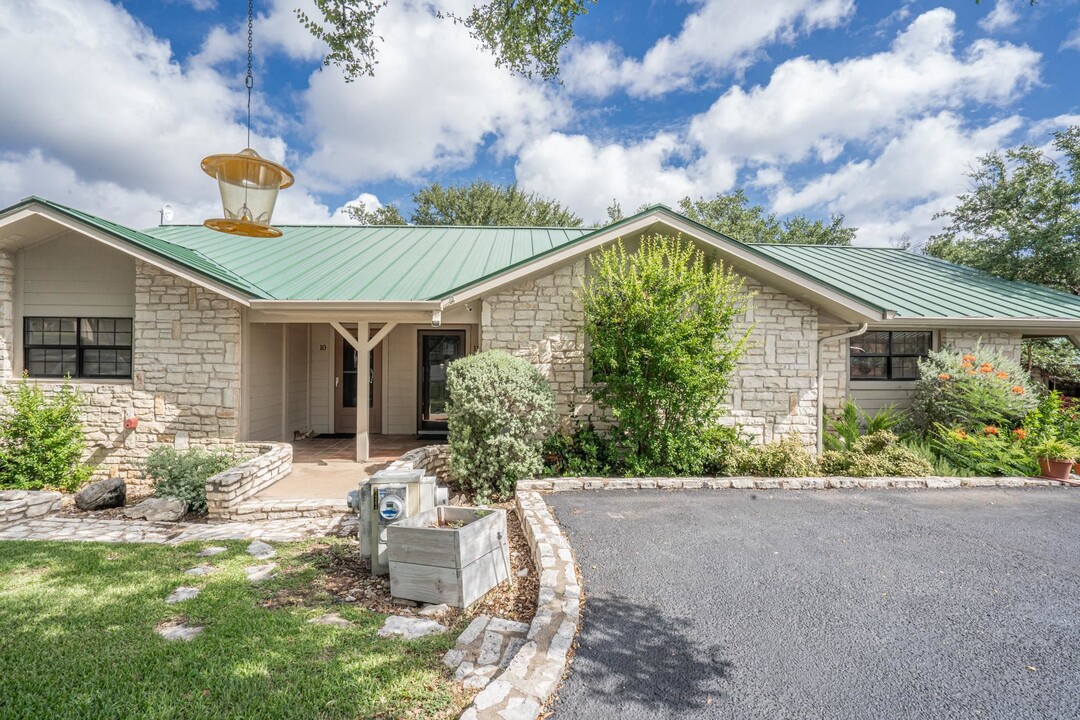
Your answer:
<point x="872" y="395"/>
<point x="266" y="367"/>
<point x="297" y="378"/>
<point x="74" y="275"/>
<point x="322" y="378"/>
<point x="400" y="366"/>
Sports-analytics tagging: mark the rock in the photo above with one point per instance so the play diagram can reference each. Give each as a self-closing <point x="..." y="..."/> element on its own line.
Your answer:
<point x="453" y="658"/>
<point x="409" y="628"/>
<point x="181" y="593"/>
<point x="402" y="602"/>
<point x="200" y="570"/>
<point x="330" y="619"/>
<point x="212" y="551"/>
<point x="350" y="598"/>
<point x="433" y="610"/>
<point x="258" y="573"/>
<point x="181" y="631"/>
<point x="476" y="682"/>
<point x="158" y="510"/>
<point x="260" y="550"/>
<point x="523" y="572"/>
<point x="103" y="494"/>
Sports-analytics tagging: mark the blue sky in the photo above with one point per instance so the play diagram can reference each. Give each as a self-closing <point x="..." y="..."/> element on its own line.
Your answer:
<point x="871" y="109"/>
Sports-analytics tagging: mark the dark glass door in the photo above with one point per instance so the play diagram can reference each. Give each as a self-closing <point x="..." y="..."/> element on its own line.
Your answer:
<point x="437" y="350"/>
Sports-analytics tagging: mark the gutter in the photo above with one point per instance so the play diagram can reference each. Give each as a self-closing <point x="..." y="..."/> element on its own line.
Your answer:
<point x="821" y="379"/>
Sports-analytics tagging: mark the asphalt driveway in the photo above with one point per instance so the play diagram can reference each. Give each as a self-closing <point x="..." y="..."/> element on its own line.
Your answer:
<point x="835" y="604"/>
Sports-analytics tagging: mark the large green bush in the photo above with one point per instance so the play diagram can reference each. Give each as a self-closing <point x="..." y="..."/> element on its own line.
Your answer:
<point x="499" y="411"/>
<point x="182" y="474"/>
<point x="880" y="454"/>
<point x="581" y="450"/>
<point x="41" y="438"/>
<point x="663" y="345"/>
<point x="986" y="452"/>
<point x="973" y="390"/>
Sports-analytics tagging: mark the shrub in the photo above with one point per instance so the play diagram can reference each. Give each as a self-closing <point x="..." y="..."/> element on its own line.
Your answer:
<point x="852" y="422"/>
<point x="661" y="324"/>
<point x="1055" y="449"/>
<point x="880" y="454"/>
<point x="1054" y="417"/>
<point x="182" y="474"/>
<point x="41" y="439"/>
<point x="787" y="458"/>
<point x="581" y="451"/>
<point x="984" y="452"/>
<point x="973" y="389"/>
<point x="499" y="409"/>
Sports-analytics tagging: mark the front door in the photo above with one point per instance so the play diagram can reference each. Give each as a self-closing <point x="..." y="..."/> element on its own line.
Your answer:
<point x="345" y="388"/>
<point x="437" y="349"/>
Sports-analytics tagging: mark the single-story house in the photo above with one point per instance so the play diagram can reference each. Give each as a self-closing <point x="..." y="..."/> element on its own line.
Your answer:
<point x="206" y="338"/>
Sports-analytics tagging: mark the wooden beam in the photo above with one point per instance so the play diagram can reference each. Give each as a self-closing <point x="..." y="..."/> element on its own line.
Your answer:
<point x="381" y="335"/>
<point x="363" y="393"/>
<point x="349" y="338"/>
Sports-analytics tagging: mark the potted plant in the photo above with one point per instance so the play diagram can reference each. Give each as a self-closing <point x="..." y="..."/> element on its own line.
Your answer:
<point x="1056" y="458"/>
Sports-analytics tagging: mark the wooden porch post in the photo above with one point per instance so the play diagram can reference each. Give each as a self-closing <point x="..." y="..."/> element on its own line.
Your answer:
<point x="363" y="392"/>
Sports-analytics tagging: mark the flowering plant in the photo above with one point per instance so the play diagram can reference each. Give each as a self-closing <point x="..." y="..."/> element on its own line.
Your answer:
<point x="976" y="390"/>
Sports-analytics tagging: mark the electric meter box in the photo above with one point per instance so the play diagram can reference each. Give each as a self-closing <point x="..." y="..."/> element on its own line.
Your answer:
<point x="385" y="498"/>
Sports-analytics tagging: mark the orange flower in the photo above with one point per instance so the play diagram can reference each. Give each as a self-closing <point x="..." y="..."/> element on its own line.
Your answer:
<point x="991" y="430"/>
<point x="1017" y="390"/>
<point x="971" y="372"/>
<point x="986" y="368"/>
<point x="944" y="376"/>
<point x="969" y="358"/>
<point x="1003" y="376"/>
<point x="966" y="365"/>
<point x="1020" y="433"/>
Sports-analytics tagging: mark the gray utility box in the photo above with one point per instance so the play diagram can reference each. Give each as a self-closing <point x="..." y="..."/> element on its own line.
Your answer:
<point x="449" y="555"/>
<point x="385" y="498"/>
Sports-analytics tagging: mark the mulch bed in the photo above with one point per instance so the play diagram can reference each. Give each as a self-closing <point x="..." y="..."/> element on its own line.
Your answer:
<point x="347" y="579"/>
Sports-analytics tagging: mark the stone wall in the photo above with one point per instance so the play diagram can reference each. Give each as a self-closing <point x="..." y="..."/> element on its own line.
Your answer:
<point x="227" y="490"/>
<point x="836" y="375"/>
<point x="1005" y="342"/>
<point x="16" y="505"/>
<point x="185" y="388"/>
<point x="432" y="459"/>
<point x="542" y="321"/>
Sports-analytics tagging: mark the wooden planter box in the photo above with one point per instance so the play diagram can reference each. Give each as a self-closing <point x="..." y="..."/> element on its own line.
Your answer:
<point x="448" y="555"/>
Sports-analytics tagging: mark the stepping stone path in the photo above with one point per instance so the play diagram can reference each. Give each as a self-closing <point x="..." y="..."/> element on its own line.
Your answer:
<point x="484" y="649"/>
<point x="180" y="631"/>
<point x="330" y="619"/>
<point x="409" y="628"/>
<point x="212" y="551"/>
<point x="200" y="570"/>
<point x="260" y="550"/>
<point x="258" y="573"/>
<point x="181" y="594"/>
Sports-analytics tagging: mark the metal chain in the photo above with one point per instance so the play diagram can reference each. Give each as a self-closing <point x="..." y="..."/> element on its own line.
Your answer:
<point x="249" y="81"/>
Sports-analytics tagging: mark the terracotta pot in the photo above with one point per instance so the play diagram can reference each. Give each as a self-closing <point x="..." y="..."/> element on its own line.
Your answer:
<point x="1055" y="469"/>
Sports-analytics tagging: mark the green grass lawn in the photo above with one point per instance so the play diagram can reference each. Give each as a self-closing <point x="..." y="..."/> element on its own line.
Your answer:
<point x="78" y="640"/>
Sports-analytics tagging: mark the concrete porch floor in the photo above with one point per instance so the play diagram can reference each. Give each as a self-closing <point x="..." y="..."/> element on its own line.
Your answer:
<point x="326" y="468"/>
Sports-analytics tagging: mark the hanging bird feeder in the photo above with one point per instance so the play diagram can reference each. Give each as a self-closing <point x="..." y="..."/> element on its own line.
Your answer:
<point x="249" y="184"/>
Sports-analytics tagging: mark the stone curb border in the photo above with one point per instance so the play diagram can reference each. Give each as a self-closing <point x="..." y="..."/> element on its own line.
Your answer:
<point x="776" y="483"/>
<point x="16" y="505"/>
<point x="521" y="691"/>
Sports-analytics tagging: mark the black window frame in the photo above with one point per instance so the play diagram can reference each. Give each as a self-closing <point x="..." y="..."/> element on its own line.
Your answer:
<point x="79" y="347"/>
<point x="888" y="355"/>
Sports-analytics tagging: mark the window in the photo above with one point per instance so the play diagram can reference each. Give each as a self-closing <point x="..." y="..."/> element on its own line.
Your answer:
<point x="79" y="347"/>
<point x="888" y="355"/>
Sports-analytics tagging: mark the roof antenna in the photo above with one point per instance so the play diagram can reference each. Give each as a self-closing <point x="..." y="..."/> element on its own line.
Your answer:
<point x="165" y="214"/>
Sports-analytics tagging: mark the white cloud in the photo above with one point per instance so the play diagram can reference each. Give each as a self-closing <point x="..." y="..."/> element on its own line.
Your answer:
<point x="721" y="35"/>
<point x="817" y="106"/>
<point x="1001" y="17"/>
<point x="1072" y="42"/>
<point x="587" y="176"/>
<point x="925" y="165"/>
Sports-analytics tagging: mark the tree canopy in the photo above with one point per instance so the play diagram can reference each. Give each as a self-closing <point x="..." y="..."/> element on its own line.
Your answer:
<point x="524" y="36"/>
<point x="1021" y="219"/>
<point x="736" y="217"/>
<point x="477" y="203"/>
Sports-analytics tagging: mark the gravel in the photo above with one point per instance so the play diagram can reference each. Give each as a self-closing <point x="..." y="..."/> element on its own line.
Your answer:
<point x="786" y="604"/>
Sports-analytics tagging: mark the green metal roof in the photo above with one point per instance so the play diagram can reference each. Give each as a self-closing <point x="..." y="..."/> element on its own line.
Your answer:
<point x="920" y="286"/>
<point x="370" y="263"/>
<point x="354" y="263"/>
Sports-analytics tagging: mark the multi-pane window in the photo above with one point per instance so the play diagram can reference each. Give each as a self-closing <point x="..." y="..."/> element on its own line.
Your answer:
<point x="79" y="347"/>
<point x="888" y="355"/>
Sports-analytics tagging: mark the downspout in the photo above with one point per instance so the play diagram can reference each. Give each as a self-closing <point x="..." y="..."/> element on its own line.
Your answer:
<point x="821" y="379"/>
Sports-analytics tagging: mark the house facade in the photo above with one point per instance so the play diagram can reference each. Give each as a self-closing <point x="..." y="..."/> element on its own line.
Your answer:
<point x="183" y="336"/>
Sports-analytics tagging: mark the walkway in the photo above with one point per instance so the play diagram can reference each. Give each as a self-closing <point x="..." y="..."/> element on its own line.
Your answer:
<point x="326" y="468"/>
<point x="854" y="604"/>
<point x="139" y="531"/>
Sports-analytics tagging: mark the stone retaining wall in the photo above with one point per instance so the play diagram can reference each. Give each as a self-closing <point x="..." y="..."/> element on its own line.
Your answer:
<point x="16" y="505"/>
<point x="226" y="491"/>
<point x="772" y="483"/>
<point x="521" y="691"/>
<point x="432" y="459"/>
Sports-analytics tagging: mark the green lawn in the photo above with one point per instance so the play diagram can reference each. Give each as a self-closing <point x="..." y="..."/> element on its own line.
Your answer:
<point x="78" y="640"/>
